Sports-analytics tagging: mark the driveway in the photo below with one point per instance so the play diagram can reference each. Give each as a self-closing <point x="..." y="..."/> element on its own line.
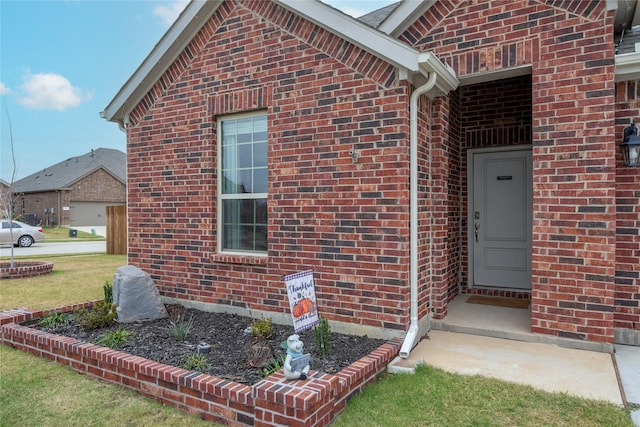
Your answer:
<point x="56" y="249"/>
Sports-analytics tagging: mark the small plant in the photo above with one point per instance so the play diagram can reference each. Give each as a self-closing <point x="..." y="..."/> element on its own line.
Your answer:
<point x="53" y="320"/>
<point x="196" y="362"/>
<point x="274" y="365"/>
<point x="180" y="328"/>
<point x="115" y="338"/>
<point x="100" y="316"/>
<point x="323" y="337"/>
<point x="262" y="329"/>
<point x="108" y="293"/>
<point x="259" y="354"/>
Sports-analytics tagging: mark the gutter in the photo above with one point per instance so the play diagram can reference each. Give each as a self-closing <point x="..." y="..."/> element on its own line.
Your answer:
<point x="440" y="80"/>
<point x="627" y="66"/>
<point x="412" y="334"/>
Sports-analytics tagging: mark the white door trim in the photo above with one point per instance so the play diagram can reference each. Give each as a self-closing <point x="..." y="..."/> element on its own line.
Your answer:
<point x="470" y="220"/>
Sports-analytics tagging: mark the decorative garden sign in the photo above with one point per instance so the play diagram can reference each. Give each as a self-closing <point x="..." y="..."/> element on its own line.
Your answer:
<point x="302" y="300"/>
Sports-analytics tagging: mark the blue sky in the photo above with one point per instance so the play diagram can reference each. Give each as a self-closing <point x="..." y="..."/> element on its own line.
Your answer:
<point x="63" y="61"/>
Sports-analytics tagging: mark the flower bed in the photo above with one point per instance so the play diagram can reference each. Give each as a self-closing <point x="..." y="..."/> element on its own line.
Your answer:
<point x="24" y="269"/>
<point x="272" y="401"/>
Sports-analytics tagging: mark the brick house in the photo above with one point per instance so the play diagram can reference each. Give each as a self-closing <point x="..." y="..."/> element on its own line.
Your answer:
<point x="5" y="190"/>
<point x="74" y="192"/>
<point x="430" y="150"/>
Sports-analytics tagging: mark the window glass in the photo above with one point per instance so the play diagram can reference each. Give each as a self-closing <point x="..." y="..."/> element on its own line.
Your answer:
<point x="244" y="186"/>
<point x="245" y="225"/>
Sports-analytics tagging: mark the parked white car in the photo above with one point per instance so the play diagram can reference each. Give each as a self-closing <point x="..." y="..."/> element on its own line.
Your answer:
<point x="24" y="235"/>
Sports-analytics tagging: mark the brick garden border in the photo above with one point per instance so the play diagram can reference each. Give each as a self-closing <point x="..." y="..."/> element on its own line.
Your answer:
<point x="272" y="401"/>
<point x="24" y="269"/>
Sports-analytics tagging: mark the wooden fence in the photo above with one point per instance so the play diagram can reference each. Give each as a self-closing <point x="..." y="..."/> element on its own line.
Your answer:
<point x="117" y="230"/>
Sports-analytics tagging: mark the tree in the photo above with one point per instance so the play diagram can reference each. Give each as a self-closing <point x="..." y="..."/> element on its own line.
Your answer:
<point x="7" y="201"/>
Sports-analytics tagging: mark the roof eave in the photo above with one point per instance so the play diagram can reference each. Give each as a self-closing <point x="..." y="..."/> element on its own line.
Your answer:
<point x="404" y="15"/>
<point x="354" y="31"/>
<point x="198" y="12"/>
<point x="92" y="171"/>
<point x="172" y="43"/>
<point x="628" y="67"/>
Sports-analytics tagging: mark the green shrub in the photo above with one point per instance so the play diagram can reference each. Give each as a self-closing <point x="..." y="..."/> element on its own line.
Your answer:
<point x="108" y="293"/>
<point x="196" y="362"/>
<point x="115" y="338"/>
<point x="101" y="315"/>
<point x="53" y="320"/>
<point x="274" y="365"/>
<point x="181" y="328"/>
<point x="262" y="329"/>
<point x="323" y="337"/>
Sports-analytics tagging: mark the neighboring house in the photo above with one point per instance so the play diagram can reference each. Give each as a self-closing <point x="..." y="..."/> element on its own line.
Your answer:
<point x="5" y="192"/>
<point x="458" y="147"/>
<point x="74" y="192"/>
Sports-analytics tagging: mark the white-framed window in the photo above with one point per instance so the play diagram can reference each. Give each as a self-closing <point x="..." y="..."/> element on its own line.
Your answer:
<point x="242" y="183"/>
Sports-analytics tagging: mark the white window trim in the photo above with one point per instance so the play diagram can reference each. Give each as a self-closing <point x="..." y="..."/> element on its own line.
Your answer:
<point x="220" y="198"/>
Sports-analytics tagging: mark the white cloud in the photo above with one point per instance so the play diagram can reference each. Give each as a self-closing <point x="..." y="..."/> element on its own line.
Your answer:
<point x="4" y="90"/>
<point x="168" y="14"/>
<point x="50" y="91"/>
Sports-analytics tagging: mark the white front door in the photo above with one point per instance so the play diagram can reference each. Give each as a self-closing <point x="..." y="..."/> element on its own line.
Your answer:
<point x="500" y="221"/>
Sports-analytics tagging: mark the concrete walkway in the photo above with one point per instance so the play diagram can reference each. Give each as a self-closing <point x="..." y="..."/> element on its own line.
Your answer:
<point x="548" y="367"/>
<point x="628" y="363"/>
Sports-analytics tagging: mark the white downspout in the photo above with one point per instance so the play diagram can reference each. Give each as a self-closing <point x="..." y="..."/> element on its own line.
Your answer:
<point x="412" y="334"/>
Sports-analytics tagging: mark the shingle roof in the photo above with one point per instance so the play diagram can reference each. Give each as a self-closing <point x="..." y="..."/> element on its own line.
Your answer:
<point x="64" y="174"/>
<point x="376" y="17"/>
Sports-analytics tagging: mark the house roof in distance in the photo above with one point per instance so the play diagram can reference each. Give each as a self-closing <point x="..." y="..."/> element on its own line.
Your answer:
<point x="376" y="17"/>
<point x="65" y="173"/>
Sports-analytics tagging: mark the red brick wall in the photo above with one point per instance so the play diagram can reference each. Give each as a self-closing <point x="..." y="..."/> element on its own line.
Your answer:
<point x="36" y="203"/>
<point x="444" y="196"/>
<point x="569" y="48"/>
<point x="627" y="296"/>
<point x="346" y="221"/>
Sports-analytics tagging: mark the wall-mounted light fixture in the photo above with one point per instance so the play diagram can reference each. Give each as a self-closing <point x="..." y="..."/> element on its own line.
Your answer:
<point x="354" y="155"/>
<point x="630" y="146"/>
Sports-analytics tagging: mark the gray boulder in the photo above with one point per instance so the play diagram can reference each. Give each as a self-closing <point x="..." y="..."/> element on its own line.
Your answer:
<point x="136" y="296"/>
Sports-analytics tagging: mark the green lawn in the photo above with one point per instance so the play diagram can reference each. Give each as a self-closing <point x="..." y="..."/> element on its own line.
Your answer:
<point x="75" y="278"/>
<point x="433" y="397"/>
<point x="36" y="392"/>
<point x="61" y="234"/>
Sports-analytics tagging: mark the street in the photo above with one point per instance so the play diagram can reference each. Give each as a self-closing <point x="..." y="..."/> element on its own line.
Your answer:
<point x="55" y="249"/>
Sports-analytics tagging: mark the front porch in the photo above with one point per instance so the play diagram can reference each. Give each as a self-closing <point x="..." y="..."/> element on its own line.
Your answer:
<point x="503" y="322"/>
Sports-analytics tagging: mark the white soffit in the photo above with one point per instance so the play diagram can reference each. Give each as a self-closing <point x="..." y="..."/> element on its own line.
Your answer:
<point x="489" y="76"/>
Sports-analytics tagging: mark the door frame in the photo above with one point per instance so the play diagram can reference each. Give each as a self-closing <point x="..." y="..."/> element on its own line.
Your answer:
<point x="470" y="220"/>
